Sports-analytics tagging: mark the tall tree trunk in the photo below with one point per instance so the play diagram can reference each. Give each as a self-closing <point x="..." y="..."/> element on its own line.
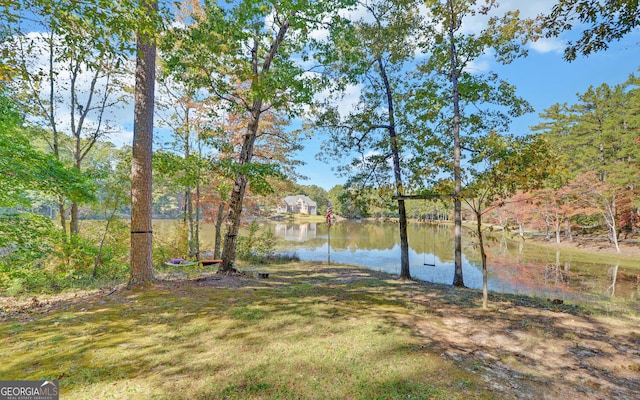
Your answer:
<point x="141" y="167"/>
<point x="189" y="219"/>
<point x="246" y="153"/>
<point x="557" y="226"/>
<point x="483" y="254"/>
<point x="218" y="239"/>
<point x="54" y="128"/>
<point x="75" y="219"/>
<point x="405" y="272"/>
<point x="191" y="224"/>
<point x="457" y="173"/>
<point x="74" y="227"/>
<point x="196" y="231"/>
<point x="237" y="194"/>
<point x="63" y="218"/>
<point x="188" y="202"/>
<point x="185" y="214"/>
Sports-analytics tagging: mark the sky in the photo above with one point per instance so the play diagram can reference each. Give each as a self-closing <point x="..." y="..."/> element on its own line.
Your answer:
<point x="543" y="78"/>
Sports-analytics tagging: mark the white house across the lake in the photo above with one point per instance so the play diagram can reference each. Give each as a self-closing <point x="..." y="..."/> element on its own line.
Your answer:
<point x="299" y="204"/>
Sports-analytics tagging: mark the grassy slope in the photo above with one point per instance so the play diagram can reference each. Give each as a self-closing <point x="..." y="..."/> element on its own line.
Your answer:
<point x="303" y="336"/>
<point x="321" y="332"/>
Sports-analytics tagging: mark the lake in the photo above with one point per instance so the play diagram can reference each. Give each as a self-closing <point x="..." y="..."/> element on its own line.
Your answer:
<point x="514" y="266"/>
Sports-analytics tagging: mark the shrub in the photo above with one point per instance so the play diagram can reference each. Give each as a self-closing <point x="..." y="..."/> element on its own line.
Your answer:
<point x="256" y="247"/>
<point x="25" y="237"/>
<point x="40" y="261"/>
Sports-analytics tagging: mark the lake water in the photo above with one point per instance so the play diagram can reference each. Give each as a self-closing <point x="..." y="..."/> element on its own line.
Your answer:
<point x="514" y="266"/>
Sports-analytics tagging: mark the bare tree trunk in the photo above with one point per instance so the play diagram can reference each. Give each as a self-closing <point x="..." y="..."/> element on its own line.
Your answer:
<point x="520" y="230"/>
<point x="568" y="229"/>
<point x="557" y="227"/>
<point x="610" y="217"/>
<point x="547" y="234"/>
<point x="75" y="216"/>
<point x="188" y="202"/>
<point x="483" y="254"/>
<point x="196" y="231"/>
<point x="51" y="114"/>
<point x="189" y="220"/>
<point x="405" y="272"/>
<point x="218" y="240"/>
<point x="141" y="166"/>
<point x="613" y="272"/>
<point x="237" y="194"/>
<point x="457" y="173"/>
<point x="63" y="218"/>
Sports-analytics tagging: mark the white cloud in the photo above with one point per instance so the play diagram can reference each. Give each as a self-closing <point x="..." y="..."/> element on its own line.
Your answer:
<point x="121" y="137"/>
<point x="552" y="45"/>
<point x="479" y="65"/>
<point x="347" y="102"/>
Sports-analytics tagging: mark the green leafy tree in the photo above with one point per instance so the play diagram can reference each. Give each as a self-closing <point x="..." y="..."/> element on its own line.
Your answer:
<point x="246" y="54"/>
<point x="371" y="52"/>
<point x="24" y="168"/>
<point x="601" y="22"/>
<point x="71" y="63"/>
<point x="26" y="172"/>
<point x="598" y="136"/>
<point x="500" y="167"/>
<point x="459" y="104"/>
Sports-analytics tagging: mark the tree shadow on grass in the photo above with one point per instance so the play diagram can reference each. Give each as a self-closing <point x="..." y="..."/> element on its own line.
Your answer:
<point x="321" y="332"/>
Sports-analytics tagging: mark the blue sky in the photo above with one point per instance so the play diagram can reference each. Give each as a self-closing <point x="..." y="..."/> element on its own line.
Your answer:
<point x="543" y="78"/>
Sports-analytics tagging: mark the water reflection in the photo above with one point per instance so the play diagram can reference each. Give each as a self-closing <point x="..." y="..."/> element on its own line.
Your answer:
<point x="514" y="267"/>
<point x="296" y="232"/>
<point x="613" y="276"/>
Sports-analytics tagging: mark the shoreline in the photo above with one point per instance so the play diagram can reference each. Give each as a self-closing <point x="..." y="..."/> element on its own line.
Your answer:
<point x="587" y="243"/>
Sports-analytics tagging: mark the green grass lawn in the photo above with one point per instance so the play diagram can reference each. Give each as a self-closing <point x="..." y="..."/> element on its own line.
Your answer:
<point x="296" y="335"/>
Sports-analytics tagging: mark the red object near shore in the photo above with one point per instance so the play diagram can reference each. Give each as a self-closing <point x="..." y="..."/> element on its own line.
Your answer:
<point x="210" y="262"/>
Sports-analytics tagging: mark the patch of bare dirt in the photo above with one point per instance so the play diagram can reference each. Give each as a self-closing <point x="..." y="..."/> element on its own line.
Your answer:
<point x="232" y="280"/>
<point x="27" y="308"/>
<point x="20" y="308"/>
<point x="532" y="350"/>
<point x="524" y="348"/>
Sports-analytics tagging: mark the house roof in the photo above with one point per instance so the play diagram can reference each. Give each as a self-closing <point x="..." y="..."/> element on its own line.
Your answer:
<point x="292" y="200"/>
